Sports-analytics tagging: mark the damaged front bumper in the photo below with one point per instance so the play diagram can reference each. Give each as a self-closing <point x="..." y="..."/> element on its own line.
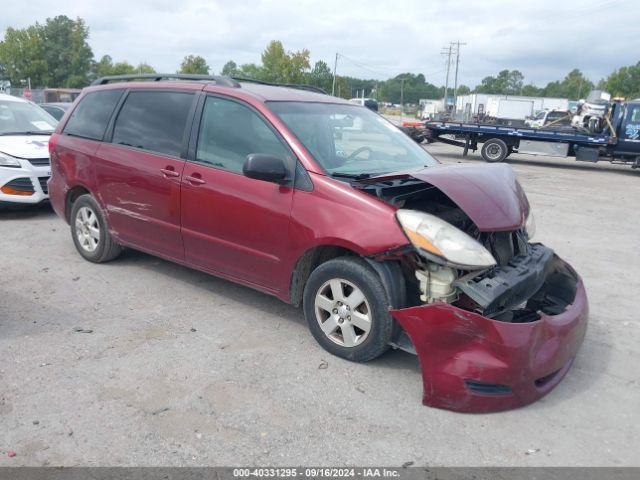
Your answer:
<point x="473" y="363"/>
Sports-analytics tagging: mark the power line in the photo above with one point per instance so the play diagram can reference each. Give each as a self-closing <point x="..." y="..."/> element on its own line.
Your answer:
<point x="386" y="73"/>
<point x="358" y="64"/>
<point x="579" y="12"/>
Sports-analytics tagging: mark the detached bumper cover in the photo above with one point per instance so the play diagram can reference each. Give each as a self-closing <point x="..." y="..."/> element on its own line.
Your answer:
<point x="471" y="363"/>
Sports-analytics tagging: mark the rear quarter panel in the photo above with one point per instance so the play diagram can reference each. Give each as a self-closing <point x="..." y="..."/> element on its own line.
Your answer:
<point x="71" y="166"/>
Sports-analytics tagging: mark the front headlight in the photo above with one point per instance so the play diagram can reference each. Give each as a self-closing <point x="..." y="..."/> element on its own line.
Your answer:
<point x="530" y="226"/>
<point x="8" y="161"/>
<point x="442" y="241"/>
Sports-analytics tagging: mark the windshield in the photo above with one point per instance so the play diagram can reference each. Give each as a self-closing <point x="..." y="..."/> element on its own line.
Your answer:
<point x="22" y="118"/>
<point x="348" y="140"/>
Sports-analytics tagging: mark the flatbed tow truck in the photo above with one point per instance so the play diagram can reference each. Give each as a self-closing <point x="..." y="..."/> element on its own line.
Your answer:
<point x="618" y="140"/>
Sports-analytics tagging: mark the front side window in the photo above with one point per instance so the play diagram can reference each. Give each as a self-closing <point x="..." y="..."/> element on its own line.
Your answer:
<point x="20" y="118"/>
<point x="351" y="140"/>
<point x="90" y="118"/>
<point x="154" y="121"/>
<point x="229" y="131"/>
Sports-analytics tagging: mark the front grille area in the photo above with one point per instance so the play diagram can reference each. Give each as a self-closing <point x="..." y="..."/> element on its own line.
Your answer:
<point x="504" y="245"/>
<point x="39" y="162"/>
<point x="19" y="184"/>
<point x="43" y="184"/>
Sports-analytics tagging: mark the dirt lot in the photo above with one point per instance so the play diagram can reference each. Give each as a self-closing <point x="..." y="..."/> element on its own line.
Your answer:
<point x="181" y="368"/>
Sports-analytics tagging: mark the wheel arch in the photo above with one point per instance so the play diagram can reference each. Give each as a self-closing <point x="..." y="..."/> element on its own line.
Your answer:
<point x="389" y="272"/>
<point x="308" y="262"/>
<point x="71" y="196"/>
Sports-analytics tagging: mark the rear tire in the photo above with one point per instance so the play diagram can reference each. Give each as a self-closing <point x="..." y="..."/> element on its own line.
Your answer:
<point x="90" y="231"/>
<point x="347" y="309"/>
<point x="494" y="150"/>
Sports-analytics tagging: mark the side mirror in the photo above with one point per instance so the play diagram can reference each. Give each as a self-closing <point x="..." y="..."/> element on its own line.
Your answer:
<point x="265" y="167"/>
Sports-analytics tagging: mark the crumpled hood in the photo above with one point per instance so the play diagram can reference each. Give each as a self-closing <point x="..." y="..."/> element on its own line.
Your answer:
<point x="489" y="194"/>
<point x="25" y="146"/>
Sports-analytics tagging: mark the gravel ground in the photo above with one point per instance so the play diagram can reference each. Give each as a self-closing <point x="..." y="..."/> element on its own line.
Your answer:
<point x="175" y="367"/>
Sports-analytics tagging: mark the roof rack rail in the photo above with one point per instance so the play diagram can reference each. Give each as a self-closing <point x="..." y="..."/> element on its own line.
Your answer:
<point x="297" y="86"/>
<point x="156" y="77"/>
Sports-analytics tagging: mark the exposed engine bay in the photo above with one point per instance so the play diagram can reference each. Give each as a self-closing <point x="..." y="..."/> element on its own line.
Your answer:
<point x="527" y="278"/>
<point x="494" y="319"/>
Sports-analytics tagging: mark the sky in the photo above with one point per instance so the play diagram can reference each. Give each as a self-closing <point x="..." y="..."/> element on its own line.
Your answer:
<point x="544" y="39"/>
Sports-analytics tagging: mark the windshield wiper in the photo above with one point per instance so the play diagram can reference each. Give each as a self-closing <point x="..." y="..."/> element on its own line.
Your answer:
<point x="354" y="176"/>
<point x="29" y="132"/>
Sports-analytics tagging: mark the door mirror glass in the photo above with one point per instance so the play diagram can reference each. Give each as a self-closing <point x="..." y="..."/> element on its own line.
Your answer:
<point x="268" y="168"/>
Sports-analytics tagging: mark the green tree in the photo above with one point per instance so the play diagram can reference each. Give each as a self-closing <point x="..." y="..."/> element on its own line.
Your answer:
<point x="515" y="80"/>
<point x="230" y="69"/>
<point x="123" y="68"/>
<point x="342" y="88"/>
<point x="105" y="67"/>
<point x="67" y="53"/>
<point x="623" y="82"/>
<point x="22" y="56"/>
<point x="530" y="90"/>
<point x="145" y="68"/>
<point x="410" y="87"/>
<point x="274" y="60"/>
<point x="279" y="66"/>
<point x="194" y="64"/>
<point x="102" y="68"/>
<point x="320" y="76"/>
<point x="574" y="86"/>
<point x="251" y="70"/>
<point x="55" y="54"/>
<point x="507" y="82"/>
<point x="463" y="90"/>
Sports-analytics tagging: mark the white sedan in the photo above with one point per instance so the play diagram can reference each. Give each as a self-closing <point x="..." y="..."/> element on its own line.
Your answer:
<point x="24" y="153"/>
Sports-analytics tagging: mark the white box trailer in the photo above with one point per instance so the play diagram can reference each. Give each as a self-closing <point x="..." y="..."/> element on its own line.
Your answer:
<point x="429" y="108"/>
<point x="548" y="103"/>
<point x="509" y="108"/>
<point x="476" y="104"/>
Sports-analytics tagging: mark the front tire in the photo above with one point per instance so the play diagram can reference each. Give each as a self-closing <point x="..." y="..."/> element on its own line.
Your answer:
<point x="347" y="309"/>
<point x="494" y="150"/>
<point x="90" y="231"/>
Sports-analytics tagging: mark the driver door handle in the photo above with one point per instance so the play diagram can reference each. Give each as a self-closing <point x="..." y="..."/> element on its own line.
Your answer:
<point x="169" y="172"/>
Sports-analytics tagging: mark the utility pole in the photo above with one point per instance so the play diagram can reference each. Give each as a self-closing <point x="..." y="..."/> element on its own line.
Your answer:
<point x="455" y="87"/>
<point x="447" y="52"/>
<point x="335" y="66"/>
<point x="401" y="98"/>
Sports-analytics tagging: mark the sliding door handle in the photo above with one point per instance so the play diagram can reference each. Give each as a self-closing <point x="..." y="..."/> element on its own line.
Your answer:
<point x="194" y="180"/>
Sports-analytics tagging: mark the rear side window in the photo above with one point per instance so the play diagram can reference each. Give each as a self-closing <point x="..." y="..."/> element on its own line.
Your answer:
<point x="154" y="121"/>
<point x="90" y="117"/>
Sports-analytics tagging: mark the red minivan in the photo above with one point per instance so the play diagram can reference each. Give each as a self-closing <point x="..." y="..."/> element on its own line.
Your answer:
<point x="324" y="203"/>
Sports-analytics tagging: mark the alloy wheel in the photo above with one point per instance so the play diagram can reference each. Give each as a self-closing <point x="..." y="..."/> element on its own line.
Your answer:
<point x="87" y="229"/>
<point x="343" y="313"/>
